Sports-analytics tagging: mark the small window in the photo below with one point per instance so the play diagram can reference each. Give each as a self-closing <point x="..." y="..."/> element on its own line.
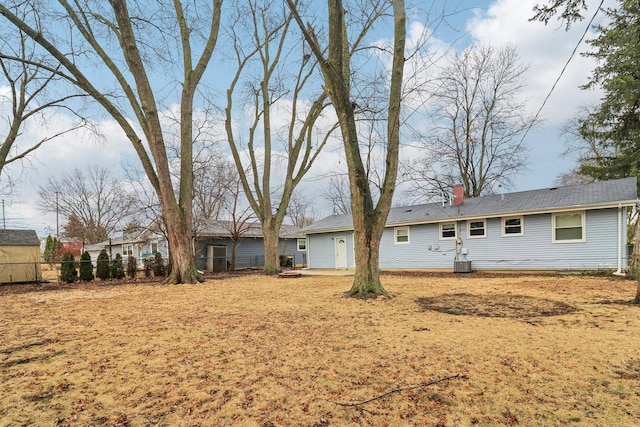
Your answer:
<point x="402" y="235"/>
<point x="302" y="245"/>
<point x="568" y="227"/>
<point x="513" y="226"/>
<point x="477" y="228"/>
<point x="448" y="230"/>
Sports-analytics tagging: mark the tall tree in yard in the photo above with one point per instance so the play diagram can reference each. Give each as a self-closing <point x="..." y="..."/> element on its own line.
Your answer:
<point x="476" y="138"/>
<point x="369" y="216"/>
<point x="104" y="49"/>
<point x="92" y="200"/>
<point x="264" y="46"/>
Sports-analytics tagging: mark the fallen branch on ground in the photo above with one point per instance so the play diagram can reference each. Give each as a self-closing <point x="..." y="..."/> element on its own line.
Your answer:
<point x="397" y="390"/>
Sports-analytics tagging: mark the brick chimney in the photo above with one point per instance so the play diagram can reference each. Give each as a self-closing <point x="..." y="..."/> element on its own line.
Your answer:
<point x="458" y="195"/>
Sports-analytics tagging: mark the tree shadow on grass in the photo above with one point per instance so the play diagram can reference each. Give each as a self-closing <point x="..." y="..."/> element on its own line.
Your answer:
<point x="509" y="306"/>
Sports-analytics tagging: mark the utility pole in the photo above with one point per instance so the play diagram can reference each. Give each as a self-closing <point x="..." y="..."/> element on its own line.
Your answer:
<point x="4" y="222"/>
<point x="57" y="222"/>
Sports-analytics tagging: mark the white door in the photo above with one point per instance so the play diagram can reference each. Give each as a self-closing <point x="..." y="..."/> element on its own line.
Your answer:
<point x="341" y="252"/>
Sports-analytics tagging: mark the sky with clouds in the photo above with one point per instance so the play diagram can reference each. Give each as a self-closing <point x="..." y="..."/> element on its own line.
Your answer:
<point x="545" y="49"/>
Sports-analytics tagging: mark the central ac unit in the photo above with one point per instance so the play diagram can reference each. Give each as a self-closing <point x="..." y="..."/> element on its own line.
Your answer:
<point x="462" y="266"/>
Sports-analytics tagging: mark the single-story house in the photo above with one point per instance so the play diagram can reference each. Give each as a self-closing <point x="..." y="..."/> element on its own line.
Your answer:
<point x="580" y="227"/>
<point x="214" y="246"/>
<point x="140" y="244"/>
<point x="19" y="256"/>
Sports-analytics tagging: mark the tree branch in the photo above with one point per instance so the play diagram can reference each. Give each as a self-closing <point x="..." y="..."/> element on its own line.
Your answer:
<point x="397" y="390"/>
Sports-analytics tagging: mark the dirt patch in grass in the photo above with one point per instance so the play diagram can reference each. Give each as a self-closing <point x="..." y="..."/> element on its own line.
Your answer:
<point x="261" y="351"/>
<point x="495" y="305"/>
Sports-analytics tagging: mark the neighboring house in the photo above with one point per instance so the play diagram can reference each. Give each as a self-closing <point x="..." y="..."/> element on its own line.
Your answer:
<point x="73" y="246"/>
<point x="578" y="227"/>
<point x="141" y="245"/>
<point x="214" y="245"/>
<point x="19" y="256"/>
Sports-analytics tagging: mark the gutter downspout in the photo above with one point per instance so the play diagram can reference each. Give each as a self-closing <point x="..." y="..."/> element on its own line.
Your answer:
<point x="619" y="271"/>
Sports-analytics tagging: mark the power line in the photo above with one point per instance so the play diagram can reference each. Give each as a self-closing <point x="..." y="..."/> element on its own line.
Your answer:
<point x="584" y="34"/>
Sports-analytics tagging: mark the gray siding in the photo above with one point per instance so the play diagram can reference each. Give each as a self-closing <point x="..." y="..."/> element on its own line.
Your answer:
<point x="249" y="252"/>
<point x="533" y="250"/>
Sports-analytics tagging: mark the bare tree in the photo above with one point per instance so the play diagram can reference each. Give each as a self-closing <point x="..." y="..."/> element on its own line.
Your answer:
<point x="262" y="37"/>
<point x="480" y="121"/>
<point x="214" y="181"/>
<point x="241" y="216"/>
<point x="104" y="50"/>
<point x="300" y="210"/>
<point x="93" y="202"/>
<point x="29" y="96"/>
<point x="338" y="195"/>
<point x="583" y="144"/>
<point x="369" y="217"/>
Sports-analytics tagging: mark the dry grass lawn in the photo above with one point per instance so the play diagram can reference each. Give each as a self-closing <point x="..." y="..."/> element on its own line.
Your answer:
<point x="262" y="351"/>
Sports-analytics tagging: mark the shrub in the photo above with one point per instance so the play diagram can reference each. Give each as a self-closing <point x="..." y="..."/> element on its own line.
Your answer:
<point x="102" y="265"/>
<point x="117" y="268"/>
<point x="86" y="268"/>
<point x="147" y="267"/>
<point x="131" y="266"/>
<point x="158" y="268"/>
<point x="52" y="250"/>
<point x="68" y="271"/>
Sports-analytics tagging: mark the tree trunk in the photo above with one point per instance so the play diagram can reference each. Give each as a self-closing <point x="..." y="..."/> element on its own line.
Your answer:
<point x="366" y="282"/>
<point x="369" y="218"/>
<point x="234" y="246"/>
<point x="271" y="259"/>
<point x="633" y="269"/>
<point x="183" y="266"/>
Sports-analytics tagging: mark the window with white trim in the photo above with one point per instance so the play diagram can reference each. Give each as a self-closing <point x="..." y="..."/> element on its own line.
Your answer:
<point x="513" y="226"/>
<point x="401" y="235"/>
<point x="302" y="245"/>
<point x="477" y="228"/>
<point x="568" y="227"/>
<point x="448" y="230"/>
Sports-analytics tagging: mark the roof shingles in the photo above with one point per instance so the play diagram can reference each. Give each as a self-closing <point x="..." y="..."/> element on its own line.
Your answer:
<point x="595" y="195"/>
<point x="18" y="238"/>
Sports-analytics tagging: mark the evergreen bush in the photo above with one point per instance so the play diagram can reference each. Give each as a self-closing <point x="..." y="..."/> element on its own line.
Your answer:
<point x="102" y="265"/>
<point x="147" y="267"/>
<point x="52" y="250"/>
<point x="86" y="268"/>
<point x="68" y="271"/>
<point x="117" y="268"/>
<point x="158" y="268"/>
<point x="131" y="267"/>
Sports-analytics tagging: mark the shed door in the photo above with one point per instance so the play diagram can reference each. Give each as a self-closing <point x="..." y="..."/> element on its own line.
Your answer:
<point x="341" y="252"/>
<point x="217" y="258"/>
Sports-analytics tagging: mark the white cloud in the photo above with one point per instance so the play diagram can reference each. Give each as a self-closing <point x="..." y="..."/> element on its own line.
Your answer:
<point x="546" y="49"/>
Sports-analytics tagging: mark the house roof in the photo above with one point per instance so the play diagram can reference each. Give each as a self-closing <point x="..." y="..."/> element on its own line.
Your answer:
<point x="19" y="238"/>
<point x="597" y="195"/>
<point x="254" y="229"/>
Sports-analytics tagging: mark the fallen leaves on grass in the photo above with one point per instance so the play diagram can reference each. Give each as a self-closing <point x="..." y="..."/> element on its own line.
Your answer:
<point x="259" y="351"/>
